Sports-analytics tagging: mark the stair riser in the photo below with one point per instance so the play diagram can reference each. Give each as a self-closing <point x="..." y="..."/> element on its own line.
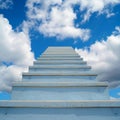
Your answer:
<point x="60" y="64"/>
<point x="60" y="114"/>
<point x="55" y="70"/>
<point x="61" y="57"/>
<point x="62" y="48"/>
<point x="62" y="60"/>
<point x="59" y="93"/>
<point x="60" y="52"/>
<point x="59" y="78"/>
<point x="63" y="67"/>
<point x="45" y="80"/>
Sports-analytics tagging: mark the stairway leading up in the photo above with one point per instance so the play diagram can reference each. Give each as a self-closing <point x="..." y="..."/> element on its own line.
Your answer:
<point x="60" y="86"/>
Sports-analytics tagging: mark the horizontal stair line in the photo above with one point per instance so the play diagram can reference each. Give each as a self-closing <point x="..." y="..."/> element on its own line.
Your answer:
<point x="62" y="84"/>
<point x="59" y="74"/>
<point x="60" y="104"/>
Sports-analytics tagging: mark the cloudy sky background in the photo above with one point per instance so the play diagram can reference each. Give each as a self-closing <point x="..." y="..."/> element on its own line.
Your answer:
<point x="28" y="27"/>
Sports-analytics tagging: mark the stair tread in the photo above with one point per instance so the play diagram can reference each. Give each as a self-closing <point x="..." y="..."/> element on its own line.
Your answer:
<point x="60" y="103"/>
<point x="60" y="67"/>
<point x="59" y="74"/>
<point x="60" y="84"/>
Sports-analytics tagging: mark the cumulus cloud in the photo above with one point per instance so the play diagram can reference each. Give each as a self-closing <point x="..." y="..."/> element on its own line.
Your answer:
<point x="63" y="28"/>
<point x="104" y="57"/>
<point x="99" y="6"/>
<point x="15" y="54"/>
<point x="57" y="17"/>
<point x="91" y="6"/>
<point x="5" y="4"/>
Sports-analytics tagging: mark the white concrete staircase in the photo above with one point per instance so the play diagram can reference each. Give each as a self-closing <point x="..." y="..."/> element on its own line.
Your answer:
<point x="60" y="86"/>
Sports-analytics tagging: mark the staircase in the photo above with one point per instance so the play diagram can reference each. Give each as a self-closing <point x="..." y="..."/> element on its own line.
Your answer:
<point x="60" y="86"/>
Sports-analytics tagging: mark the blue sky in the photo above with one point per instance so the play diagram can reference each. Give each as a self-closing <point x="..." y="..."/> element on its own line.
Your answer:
<point x="28" y="27"/>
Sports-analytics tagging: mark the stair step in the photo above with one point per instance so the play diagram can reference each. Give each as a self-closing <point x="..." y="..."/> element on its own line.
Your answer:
<point x="59" y="74"/>
<point x="61" y="104"/>
<point x="60" y="54"/>
<point x="70" y="51"/>
<point x="60" y="58"/>
<point x="59" y="67"/>
<point x="57" y="80"/>
<point x="70" y="66"/>
<point x="56" y="77"/>
<point x="56" y="91"/>
<point x="60" y="110"/>
<point x="61" y="84"/>
<point x="60" y="49"/>
<point x="55" y="69"/>
<point x="60" y="62"/>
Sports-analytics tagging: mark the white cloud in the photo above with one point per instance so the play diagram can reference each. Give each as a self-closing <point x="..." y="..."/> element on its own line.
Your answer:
<point x="114" y="98"/>
<point x="63" y="28"/>
<point x="15" y="51"/>
<point x="55" y="18"/>
<point x="99" y="6"/>
<point x="118" y="93"/>
<point x="5" y="4"/>
<point x="104" y="57"/>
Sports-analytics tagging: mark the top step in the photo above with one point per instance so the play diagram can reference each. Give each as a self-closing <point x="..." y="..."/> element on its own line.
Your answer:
<point x="60" y="48"/>
<point x="60" y="53"/>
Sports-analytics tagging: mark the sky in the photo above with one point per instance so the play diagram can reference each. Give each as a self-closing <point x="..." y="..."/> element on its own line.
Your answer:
<point x="28" y="27"/>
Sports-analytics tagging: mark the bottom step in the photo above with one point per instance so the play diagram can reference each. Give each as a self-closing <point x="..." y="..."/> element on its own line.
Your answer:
<point x="84" y="110"/>
<point x="59" y="103"/>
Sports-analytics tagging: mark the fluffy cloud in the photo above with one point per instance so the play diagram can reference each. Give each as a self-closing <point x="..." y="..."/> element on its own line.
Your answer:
<point x="57" y="17"/>
<point x="91" y="6"/>
<point x="53" y="18"/>
<point x="5" y="4"/>
<point x="63" y="28"/>
<point x="104" y="57"/>
<point x="15" y="54"/>
<point x="99" y="6"/>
